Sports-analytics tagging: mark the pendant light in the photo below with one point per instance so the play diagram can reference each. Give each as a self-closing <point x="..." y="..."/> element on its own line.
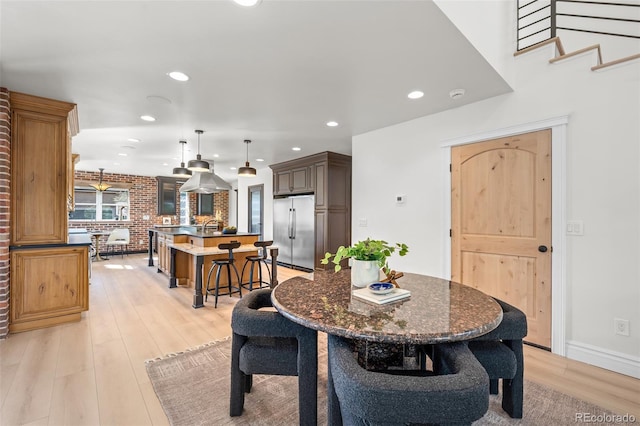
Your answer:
<point x="247" y="170"/>
<point x="182" y="171"/>
<point x="198" y="165"/>
<point x="101" y="186"/>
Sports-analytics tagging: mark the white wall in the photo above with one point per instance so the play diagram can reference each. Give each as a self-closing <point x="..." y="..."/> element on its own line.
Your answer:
<point x="233" y="195"/>
<point x="603" y="188"/>
<point x="483" y="24"/>
<point x="264" y="176"/>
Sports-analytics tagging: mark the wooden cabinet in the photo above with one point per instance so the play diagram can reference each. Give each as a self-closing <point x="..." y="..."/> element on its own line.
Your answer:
<point x="71" y="204"/>
<point x="164" y="249"/>
<point x="49" y="279"/>
<point x="49" y="286"/>
<point x="328" y="176"/>
<point x="41" y="130"/>
<point x="296" y="180"/>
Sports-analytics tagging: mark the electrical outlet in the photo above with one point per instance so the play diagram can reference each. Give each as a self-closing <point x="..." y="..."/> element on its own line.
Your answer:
<point x="140" y="242"/>
<point x="621" y="326"/>
<point x="362" y="222"/>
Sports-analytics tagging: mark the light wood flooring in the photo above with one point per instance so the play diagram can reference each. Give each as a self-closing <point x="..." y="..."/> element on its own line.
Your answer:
<point x="92" y="372"/>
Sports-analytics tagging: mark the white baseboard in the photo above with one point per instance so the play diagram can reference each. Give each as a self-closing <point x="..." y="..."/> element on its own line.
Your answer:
<point x="610" y="360"/>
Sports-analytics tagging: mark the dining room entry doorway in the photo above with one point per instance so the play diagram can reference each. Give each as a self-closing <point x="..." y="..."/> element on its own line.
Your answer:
<point x="501" y="223"/>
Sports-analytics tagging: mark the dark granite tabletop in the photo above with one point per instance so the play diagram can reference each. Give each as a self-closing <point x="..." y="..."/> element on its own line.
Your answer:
<point x="437" y="311"/>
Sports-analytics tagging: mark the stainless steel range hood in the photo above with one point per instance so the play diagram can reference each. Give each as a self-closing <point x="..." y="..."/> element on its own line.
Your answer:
<point x="205" y="183"/>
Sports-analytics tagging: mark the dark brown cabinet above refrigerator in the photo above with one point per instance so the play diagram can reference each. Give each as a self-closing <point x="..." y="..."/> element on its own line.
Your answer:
<point x="327" y="176"/>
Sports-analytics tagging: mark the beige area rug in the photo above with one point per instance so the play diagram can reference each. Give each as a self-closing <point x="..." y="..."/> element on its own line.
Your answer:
<point x="193" y="388"/>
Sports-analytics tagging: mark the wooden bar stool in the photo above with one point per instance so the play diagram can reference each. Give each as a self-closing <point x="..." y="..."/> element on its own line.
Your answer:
<point x="253" y="261"/>
<point x="217" y="265"/>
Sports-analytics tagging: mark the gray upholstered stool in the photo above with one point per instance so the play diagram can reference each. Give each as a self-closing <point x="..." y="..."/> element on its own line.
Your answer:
<point x="458" y="392"/>
<point x="265" y="342"/>
<point x="500" y="353"/>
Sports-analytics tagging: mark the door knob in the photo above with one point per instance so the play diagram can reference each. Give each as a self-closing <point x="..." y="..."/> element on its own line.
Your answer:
<point x="542" y="249"/>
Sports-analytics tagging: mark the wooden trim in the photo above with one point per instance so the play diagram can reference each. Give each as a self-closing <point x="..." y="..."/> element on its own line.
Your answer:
<point x="615" y="62"/>
<point x="74" y="126"/>
<point x="32" y="103"/>
<point x="18" y="327"/>
<point x="310" y="160"/>
<point x="562" y="55"/>
<point x="555" y="40"/>
<point x="578" y="52"/>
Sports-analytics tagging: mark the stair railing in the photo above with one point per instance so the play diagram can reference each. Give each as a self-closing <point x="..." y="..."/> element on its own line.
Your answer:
<point x="539" y="20"/>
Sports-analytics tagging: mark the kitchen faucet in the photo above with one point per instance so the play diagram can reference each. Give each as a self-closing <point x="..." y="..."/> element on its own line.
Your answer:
<point x="204" y="224"/>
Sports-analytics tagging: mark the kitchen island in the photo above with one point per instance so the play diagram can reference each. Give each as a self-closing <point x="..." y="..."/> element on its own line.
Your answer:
<point x="185" y="254"/>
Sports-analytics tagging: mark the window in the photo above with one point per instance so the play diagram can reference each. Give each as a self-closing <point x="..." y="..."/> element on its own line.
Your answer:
<point x="112" y="204"/>
<point x="184" y="208"/>
<point x="205" y="204"/>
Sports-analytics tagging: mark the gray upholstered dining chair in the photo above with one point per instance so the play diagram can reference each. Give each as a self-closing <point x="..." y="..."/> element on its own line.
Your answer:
<point x="265" y="342"/>
<point x="457" y="392"/>
<point x="500" y="353"/>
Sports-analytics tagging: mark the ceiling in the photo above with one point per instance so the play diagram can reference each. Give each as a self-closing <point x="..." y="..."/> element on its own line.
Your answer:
<point x="274" y="74"/>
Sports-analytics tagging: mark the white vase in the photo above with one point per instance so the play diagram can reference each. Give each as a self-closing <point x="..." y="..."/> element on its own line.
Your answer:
<point x="364" y="272"/>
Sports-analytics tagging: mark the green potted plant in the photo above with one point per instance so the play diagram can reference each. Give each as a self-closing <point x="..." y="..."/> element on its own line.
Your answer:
<point x="367" y="258"/>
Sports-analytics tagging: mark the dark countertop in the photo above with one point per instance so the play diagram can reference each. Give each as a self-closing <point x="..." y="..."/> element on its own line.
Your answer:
<point x="74" y="240"/>
<point x="194" y="231"/>
<point x="437" y="311"/>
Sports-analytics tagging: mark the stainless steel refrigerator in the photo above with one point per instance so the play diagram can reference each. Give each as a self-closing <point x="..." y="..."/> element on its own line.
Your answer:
<point x="293" y="230"/>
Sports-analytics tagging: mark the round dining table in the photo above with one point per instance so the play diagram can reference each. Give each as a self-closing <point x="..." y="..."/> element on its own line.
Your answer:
<point x="436" y="311"/>
<point x="386" y="336"/>
<point x="96" y="235"/>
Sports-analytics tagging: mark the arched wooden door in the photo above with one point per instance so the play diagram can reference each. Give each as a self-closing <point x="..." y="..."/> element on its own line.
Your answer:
<point x="501" y="223"/>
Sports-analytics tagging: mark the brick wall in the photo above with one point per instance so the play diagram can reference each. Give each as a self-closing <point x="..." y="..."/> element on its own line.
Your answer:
<point x="143" y="201"/>
<point x="5" y="186"/>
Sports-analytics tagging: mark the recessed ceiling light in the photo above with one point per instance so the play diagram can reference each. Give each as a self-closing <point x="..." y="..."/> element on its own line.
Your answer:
<point x="216" y="155"/>
<point x="296" y="148"/>
<point x="122" y="154"/>
<point x="128" y="147"/>
<point x="416" y="94"/>
<point x="178" y="76"/>
<point x="116" y="164"/>
<point x="233" y="168"/>
<point x="147" y="118"/>
<point x="247" y="3"/>
<point x="260" y="159"/>
<point x="456" y="93"/>
<point x="332" y="123"/>
<point x="133" y="140"/>
<point x="165" y="164"/>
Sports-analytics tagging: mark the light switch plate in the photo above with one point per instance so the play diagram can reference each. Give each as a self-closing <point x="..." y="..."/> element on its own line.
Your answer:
<point x="575" y="227"/>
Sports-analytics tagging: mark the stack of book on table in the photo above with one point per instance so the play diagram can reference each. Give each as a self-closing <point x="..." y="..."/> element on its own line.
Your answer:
<point x="380" y="299"/>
